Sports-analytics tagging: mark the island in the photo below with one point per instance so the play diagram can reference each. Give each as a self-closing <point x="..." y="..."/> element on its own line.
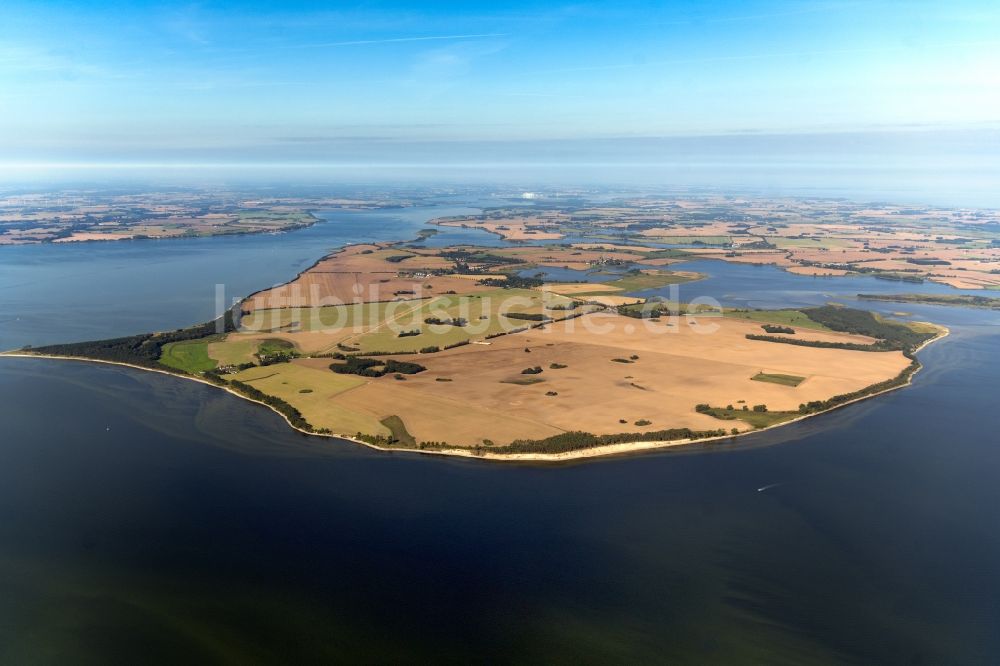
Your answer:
<point x="478" y="351"/>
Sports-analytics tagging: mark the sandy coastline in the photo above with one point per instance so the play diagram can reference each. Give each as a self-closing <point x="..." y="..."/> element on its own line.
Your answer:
<point x="591" y="452"/>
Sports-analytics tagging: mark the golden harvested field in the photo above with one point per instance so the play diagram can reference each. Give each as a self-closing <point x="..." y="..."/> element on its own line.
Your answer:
<point x="318" y="330"/>
<point x="580" y="288"/>
<point x="316" y="392"/>
<point x="82" y="236"/>
<point x="373" y="327"/>
<point x="235" y="349"/>
<point x="510" y="229"/>
<point x="470" y="394"/>
<point x="485" y="313"/>
<point x="716" y="229"/>
<point x="314" y="289"/>
<point x="612" y="247"/>
<point x="368" y="274"/>
<point x="612" y="300"/>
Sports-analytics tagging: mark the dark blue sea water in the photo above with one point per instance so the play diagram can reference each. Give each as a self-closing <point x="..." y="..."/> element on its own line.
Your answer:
<point x="145" y="518"/>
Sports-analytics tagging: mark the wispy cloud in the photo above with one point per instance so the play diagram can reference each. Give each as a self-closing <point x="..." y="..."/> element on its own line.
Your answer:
<point x="189" y="23"/>
<point x="543" y="95"/>
<point x="329" y="139"/>
<point x="397" y="40"/>
<point x="27" y="59"/>
<point x="435" y="69"/>
<point x="762" y="56"/>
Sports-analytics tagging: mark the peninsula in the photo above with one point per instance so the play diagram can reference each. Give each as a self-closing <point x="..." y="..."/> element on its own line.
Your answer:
<point x="475" y="351"/>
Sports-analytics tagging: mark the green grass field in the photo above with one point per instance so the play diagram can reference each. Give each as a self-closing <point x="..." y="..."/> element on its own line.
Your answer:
<point x="691" y="240"/>
<point x="666" y="253"/>
<point x="331" y="317"/>
<point x="755" y="419"/>
<point x="288" y="381"/>
<point x="189" y="355"/>
<point x="641" y="282"/>
<point x="398" y="430"/>
<point x="782" y="317"/>
<point x="275" y="346"/>
<point x="784" y="380"/>
<point x="483" y="313"/>
<point x="233" y="351"/>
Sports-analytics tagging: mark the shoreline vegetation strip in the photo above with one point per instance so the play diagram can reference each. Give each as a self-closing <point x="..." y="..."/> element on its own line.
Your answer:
<point x="601" y="449"/>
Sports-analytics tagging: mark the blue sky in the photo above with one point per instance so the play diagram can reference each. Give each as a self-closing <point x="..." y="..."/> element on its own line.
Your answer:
<point x="123" y="82"/>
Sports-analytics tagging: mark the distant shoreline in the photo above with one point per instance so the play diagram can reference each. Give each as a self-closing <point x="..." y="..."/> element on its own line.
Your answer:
<point x="948" y="300"/>
<point x="141" y="237"/>
<point x="607" y="450"/>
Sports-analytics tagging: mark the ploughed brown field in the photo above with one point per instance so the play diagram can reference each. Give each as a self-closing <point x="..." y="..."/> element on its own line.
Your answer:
<point x="365" y="273"/>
